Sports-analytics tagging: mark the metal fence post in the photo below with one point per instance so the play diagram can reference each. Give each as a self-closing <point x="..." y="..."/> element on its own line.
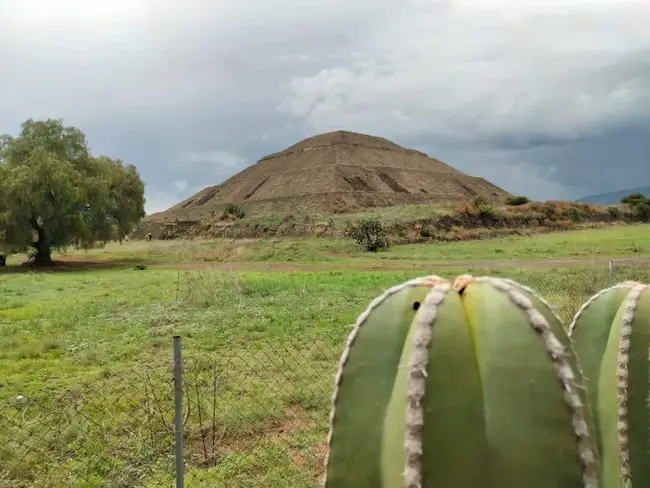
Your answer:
<point x="178" y="411"/>
<point x="612" y="278"/>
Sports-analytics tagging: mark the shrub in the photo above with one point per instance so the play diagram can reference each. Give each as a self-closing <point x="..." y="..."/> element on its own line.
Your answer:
<point x="575" y="214"/>
<point x="426" y="231"/>
<point x="235" y="210"/>
<point x="370" y="234"/>
<point x="484" y="208"/>
<point x="516" y="201"/>
<point x="642" y="210"/>
<point x="635" y="199"/>
<point x="464" y="209"/>
<point x="551" y="211"/>
<point x="639" y="204"/>
<point x="614" y="212"/>
<point x="140" y="267"/>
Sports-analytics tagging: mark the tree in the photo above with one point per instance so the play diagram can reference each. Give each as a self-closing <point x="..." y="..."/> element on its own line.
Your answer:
<point x="635" y="199"/>
<point x="639" y="204"/>
<point x="54" y="193"/>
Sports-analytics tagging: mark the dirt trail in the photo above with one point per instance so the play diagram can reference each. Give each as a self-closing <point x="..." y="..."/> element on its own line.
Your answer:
<point x="78" y="263"/>
<point x="398" y="266"/>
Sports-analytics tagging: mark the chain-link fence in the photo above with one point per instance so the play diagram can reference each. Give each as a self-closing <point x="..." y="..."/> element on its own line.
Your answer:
<point x="251" y="417"/>
<point x="254" y="415"/>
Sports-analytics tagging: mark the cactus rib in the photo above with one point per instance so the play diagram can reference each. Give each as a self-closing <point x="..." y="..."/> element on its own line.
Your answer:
<point x="416" y="386"/>
<point x="560" y="357"/>
<point x="622" y="381"/>
<point x="352" y="337"/>
<point x="588" y="303"/>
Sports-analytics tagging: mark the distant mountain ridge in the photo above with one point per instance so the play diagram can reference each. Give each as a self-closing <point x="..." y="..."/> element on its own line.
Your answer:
<point x="614" y="197"/>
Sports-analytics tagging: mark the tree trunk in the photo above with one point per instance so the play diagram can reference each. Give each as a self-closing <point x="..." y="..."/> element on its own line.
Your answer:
<point x="43" y="256"/>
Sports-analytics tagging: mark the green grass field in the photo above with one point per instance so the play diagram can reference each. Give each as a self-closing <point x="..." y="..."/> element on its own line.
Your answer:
<point x="86" y="356"/>
<point x="632" y="241"/>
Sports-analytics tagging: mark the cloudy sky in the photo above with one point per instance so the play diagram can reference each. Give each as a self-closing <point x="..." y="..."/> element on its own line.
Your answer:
<point x="547" y="98"/>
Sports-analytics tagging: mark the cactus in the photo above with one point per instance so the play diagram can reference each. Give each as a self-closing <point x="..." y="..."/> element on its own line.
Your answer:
<point x="470" y="384"/>
<point x="611" y="336"/>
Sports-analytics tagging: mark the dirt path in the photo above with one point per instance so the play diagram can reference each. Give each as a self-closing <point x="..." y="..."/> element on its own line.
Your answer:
<point x="397" y="266"/>
<point x="77" y="263"/>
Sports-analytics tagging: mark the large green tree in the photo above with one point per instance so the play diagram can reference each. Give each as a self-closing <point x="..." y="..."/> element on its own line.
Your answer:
<point x="639" y="204"/>
<point x="55" y="194"/>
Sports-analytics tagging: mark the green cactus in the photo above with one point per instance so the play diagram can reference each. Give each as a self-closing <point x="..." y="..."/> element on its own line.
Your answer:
<point x="470" y="384"/>
<point x="611" y="336"/>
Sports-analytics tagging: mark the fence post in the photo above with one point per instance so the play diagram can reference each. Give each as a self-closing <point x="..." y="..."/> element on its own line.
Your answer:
<point x="178" y="411"/>
<point x="612" y="278"/>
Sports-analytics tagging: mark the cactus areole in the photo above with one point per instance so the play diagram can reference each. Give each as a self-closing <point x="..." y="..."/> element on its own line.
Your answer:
<point x="467" y="384"/>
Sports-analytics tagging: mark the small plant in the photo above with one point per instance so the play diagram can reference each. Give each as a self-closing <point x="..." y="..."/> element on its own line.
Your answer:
<point x="517" y="201"/>
<point x="426" y="231"/>
<point x="370" y="234"/>
<point x="140" y="267"/>
<point x="614" y="212"/>
<point x="235" y="210"/>
<point x="484" y="208"/>
<point x="575" y="214"/>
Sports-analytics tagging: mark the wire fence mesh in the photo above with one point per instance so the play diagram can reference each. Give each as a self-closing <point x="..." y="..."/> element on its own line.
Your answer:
<point x="253" y="416"/>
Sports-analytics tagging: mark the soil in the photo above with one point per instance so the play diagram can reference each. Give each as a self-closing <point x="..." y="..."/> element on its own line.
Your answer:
<point x="530" y="263"/>
<point x="74" y="263"/>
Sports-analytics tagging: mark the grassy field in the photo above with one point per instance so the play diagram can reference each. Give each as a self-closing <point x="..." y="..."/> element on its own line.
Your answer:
<point x="632" y="241"/>
<point x="86" y="356"/>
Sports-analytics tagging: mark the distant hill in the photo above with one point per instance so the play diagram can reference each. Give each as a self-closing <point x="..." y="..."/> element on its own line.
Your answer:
<point x="614" y="197"/>
<point x="337" y="170"/>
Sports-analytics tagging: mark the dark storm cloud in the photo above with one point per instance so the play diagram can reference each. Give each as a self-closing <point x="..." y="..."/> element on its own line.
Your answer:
<point x="540" y="100"/>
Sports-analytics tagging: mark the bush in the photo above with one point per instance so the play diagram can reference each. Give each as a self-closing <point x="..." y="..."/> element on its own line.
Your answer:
<point x="464" y="209"/>
<point x="575" y="214"/>
<point x="484" y="208"/>
<point x="516" y="201"/>
<point x="426" y="231"/>
<point x="370" y="234"/>
<point x="235" y="210"/>
<point x="642" y="210"/>
<point x="614" y="212"/>
<point x="140" y="267"/>
<point x="635" y="199"/>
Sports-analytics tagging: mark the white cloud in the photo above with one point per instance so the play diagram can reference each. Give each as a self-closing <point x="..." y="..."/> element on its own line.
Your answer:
<point x="466" y="70"/>
<point x="187" y="91"/>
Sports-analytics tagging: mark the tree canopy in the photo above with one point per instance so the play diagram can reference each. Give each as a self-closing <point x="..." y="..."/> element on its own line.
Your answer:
<point x="55" y="194"/>
<point x="640" y="205"/>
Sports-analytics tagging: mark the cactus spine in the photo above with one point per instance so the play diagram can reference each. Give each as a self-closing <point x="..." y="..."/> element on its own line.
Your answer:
<point x="460" y="385"/>
<point x="611" y="334"/>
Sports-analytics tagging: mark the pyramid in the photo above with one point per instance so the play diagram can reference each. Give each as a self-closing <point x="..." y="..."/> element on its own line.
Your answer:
<point x="339" y="171"/>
